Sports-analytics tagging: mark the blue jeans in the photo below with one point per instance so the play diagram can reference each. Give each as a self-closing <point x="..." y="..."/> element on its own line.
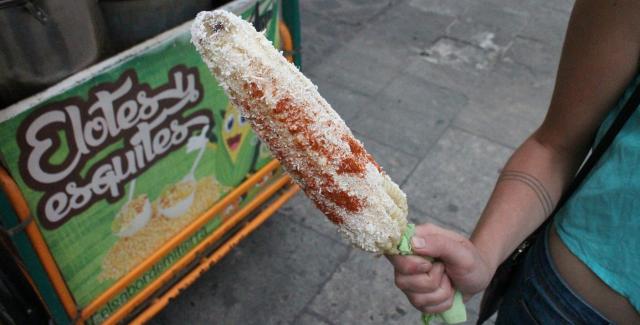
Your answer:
<point x="540" y="296"/>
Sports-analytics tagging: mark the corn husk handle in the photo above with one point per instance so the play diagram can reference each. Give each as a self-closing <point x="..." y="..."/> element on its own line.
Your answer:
<point x="457" y="313"/>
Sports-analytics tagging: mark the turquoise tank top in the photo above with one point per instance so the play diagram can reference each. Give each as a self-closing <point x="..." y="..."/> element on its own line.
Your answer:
<point x="600" y="223"/>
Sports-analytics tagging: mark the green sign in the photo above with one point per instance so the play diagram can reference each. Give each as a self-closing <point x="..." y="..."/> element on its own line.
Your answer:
<point x="118" y="163"/>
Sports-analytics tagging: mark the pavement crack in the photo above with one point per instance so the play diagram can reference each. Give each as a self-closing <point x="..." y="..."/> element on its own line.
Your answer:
<point x="306" y="308"/>
<point x="320" y="233"/>
<point x="531" y="39"/>
<point x="422" y="159"/>
<point x="499" y="143"/>
<point x="443" y="222"/>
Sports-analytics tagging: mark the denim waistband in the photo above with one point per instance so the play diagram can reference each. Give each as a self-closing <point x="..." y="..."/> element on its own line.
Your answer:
<point x="542" y="273"/>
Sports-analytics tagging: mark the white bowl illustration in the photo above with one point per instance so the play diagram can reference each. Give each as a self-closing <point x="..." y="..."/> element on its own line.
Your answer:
<point x="133" y="216"/>
<point x="177" y="199"/>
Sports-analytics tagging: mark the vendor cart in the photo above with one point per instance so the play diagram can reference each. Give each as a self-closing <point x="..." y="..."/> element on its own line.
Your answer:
<point x="121" y="184"/>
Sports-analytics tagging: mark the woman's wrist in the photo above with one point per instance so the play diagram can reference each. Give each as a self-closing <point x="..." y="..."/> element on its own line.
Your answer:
<point x="490" y="255"/>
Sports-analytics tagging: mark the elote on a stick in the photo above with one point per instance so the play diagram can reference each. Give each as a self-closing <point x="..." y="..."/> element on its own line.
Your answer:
<point x="302" y="131"/>
<point x="309" y="138"/>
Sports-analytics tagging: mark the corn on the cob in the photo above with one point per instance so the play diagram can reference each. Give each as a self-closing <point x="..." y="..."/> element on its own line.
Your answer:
<point x="302" y="131"/>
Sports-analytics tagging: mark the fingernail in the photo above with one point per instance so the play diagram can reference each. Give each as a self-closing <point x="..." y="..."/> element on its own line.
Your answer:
<point x="418" y="242"/>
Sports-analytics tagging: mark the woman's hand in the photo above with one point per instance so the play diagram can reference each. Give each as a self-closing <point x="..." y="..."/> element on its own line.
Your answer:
<point x="430" y="286"/>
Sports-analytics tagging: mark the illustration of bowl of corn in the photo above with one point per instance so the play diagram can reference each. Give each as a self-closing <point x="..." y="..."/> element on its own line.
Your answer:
<point x="133" y="216"/>
<point x="176" y="200"/>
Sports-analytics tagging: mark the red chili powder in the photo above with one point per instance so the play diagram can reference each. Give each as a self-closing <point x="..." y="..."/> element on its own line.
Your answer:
<point x="351" y="166"/>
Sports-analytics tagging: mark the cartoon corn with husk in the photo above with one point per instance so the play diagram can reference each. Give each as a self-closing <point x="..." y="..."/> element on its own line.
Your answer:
<point x="233" y="146"/>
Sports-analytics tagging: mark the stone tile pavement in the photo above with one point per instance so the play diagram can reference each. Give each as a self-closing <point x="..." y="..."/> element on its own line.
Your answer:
<point x="440" y="92"/>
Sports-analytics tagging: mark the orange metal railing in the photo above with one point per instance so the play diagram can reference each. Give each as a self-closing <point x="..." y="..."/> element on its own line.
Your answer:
<point x="166" y="276"/>
<point x="214" y="258"/>
<point x="189" y="230"/>
<point x="287" y="41"/>
<point x="39" y="244"/>
<point x="22" y="211"/>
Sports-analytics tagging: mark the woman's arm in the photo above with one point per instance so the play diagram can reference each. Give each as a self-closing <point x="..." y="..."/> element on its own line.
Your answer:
<point x="599" y="58"/>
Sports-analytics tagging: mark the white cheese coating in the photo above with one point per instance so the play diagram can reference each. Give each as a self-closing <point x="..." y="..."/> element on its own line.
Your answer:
<point x="302" y="130"/>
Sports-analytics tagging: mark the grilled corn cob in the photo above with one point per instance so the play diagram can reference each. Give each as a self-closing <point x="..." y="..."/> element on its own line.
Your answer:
<point x="301" y="129"/>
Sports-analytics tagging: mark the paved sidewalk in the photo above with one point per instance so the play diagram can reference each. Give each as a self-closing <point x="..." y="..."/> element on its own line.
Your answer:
<point x="440" y="92"/>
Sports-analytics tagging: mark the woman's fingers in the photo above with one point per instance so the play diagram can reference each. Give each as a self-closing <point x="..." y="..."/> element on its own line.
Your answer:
<point x="436" y="301"/>
<point x="422" y="282"/>
<point x="409" y="265"/>
<point x="440" y="308"/>
<point x="427" y="285"/>
<point x="456" y="254"/>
